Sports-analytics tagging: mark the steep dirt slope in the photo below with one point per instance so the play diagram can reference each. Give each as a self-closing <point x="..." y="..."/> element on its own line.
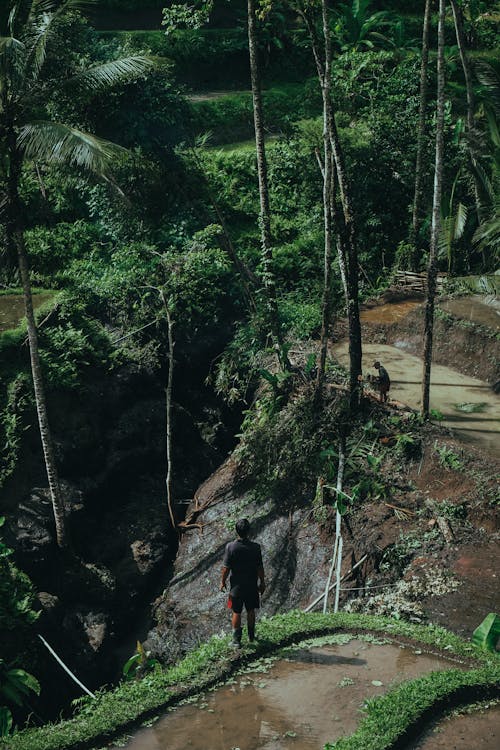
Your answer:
<point x="431" y="539"/>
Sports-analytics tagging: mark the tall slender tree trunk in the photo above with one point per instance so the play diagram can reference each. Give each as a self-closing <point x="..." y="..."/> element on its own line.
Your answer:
<point x="328" y="198"/>
<point x="265" y="212"/>
<point x="436" y="217"/>
<point x="347" y="241"/>
<point x="168" y="408"/>
<point x="417" y="199"/>
<point x="469" y="88"/>
<point x="14" y="212"/>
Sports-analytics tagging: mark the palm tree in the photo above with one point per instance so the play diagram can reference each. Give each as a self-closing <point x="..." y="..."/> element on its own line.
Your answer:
<point x="486" y="146"/>
<point x="265" y="211"/>
<point x="436" y="217"/>
<point x="357" y="28"/>
<point x="328" y="210"/>
<point x="32" y="27"/>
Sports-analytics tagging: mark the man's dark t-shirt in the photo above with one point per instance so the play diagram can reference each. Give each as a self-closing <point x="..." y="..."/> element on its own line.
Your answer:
<point x="244" y="558"/>
<point x="383" y="376"/>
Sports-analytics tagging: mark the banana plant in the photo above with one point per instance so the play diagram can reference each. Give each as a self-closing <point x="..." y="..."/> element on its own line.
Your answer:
<point x="357" y="28"/>
<point x="453" y="221"/>
<point x="15" y="687"/>
<point x="487" y="634"/>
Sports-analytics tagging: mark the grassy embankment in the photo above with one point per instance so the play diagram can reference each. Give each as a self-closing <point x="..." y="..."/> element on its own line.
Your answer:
<point x="387" y="719"/>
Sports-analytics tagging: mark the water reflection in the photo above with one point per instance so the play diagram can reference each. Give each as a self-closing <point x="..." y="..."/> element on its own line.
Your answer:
<point x="12" y="308"/>
<point x="300" y="704"/>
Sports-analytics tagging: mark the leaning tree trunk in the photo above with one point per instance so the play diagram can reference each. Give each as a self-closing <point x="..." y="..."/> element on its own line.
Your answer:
<point x="462" y="47"/>
<point x="14" y="212"/>
<point x="436" y="217"/>
<point x="417" y="199"/>
<point x="265" y="212"/>
<point x="347" y="233"/>
<point x="328" y="198"/>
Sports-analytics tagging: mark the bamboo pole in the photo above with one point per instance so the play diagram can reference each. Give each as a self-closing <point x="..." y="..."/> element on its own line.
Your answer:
<point x="334" y="584"/>
<point x="66" y="669"/>
<point x="337" y="552"/>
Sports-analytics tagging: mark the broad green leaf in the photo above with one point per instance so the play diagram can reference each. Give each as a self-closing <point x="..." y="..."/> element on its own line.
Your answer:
<point x="24" y="681"/>
<point x="11" y="693"/>
<point x="130" y="663"/>
<point x="486" y="635"/>
<point x="5" y="721"/>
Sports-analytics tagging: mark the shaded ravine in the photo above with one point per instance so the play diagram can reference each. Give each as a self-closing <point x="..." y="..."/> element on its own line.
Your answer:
<point x="311" y="697"/>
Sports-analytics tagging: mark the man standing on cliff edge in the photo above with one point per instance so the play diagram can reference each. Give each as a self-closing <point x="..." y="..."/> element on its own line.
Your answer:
<point x="243" y="559"/>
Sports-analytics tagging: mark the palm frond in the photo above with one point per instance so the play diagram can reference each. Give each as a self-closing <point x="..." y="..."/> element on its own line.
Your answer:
<point x="487" y="235"/>
<point x="56" y="142"/>
<point x="460" y="221"/>
<point x="39" y="28"/>
<point x="488" y="77"/>
<point x="444" y="237"/>
<point x="484" y="183"/>
<point x="12" y="19"/>
<point x="10" y="47"/>
<point x="108" y="74"/>
<point x="11" y="58"/>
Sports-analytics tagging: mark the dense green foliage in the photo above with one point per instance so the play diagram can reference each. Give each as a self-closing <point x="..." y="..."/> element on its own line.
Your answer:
<point x="178" y="215"/>
<point x="16" y="614"/>
<point x="16" y="592"/>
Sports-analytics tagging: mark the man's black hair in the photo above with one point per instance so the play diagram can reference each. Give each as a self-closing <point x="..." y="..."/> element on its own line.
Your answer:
<point x="243" y="528"/>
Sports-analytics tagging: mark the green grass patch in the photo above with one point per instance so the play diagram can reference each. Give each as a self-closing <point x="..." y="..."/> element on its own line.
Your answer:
<point x="122" y="709"/>
<point x="470" y="408"/>
<point x="230" y="117"/>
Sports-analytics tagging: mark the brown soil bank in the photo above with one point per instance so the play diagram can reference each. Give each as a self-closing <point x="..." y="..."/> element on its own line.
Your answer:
<point x="429" y="511"/>
<point x="459" y="342"/>
<point x="479" y="730"/>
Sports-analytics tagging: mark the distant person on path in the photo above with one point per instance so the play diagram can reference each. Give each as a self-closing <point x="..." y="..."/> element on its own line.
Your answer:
<point x="383" y="381"/>
<point x="243" y="559"/>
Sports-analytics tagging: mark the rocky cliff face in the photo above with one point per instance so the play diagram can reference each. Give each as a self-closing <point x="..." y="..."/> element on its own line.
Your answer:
<point x="415" y="539"/>
<point x="296" y="556"/>
<point x="110" y="444"/>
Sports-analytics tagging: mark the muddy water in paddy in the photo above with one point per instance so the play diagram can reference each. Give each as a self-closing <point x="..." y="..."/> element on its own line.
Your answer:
<point x="310" y="698"/>
<point x="12" y="308"/>
<point x="483" y="310"/>
<point x="449" y="388"/>
<point x="391" y="312"/>
<point x="480" y="730"/>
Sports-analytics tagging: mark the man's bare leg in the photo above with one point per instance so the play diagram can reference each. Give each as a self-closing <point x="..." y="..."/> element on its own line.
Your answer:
<point x="236" y="623"/>
<point x="236" y="620"/>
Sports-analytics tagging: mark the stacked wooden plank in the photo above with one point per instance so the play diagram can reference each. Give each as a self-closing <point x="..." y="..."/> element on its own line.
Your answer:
<point x="411" y="281"/>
